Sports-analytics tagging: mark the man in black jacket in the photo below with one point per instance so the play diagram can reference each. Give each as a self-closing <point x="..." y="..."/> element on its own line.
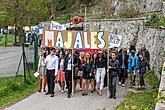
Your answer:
<point x="113" y="72"/>
<point x="123" y="60"/>
<point x="145" y="52"/>
<point x="68" y="72"/>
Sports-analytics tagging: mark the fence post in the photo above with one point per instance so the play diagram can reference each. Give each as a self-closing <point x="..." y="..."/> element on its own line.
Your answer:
<point x="24" y="64"/>
<point x="36" y="52"/>
<point x="5" y="39"/>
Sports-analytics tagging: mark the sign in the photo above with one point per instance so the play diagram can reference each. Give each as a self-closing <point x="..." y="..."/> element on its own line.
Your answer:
<point x="114" y="40"/>
<point x="52" y="25"/>
<point x="80" y="39"/>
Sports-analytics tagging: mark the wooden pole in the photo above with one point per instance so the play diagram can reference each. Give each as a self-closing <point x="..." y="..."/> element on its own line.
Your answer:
<point x="108" y="74"/>
<point x="72" y="74"/>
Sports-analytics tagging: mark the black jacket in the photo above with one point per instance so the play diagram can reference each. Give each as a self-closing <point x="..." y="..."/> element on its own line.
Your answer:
<point x="102" y="63"/>
<point x="114" y="64"/>
<point x="142" y="65"/>
<point x="120" y="58"/>
<point x="66" y="62"/>
<point x="146" y="54"/>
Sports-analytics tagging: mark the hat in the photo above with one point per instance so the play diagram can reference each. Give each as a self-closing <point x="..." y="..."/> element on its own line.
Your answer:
<point x="132" y="51"/>
<point x="100" y="52"/>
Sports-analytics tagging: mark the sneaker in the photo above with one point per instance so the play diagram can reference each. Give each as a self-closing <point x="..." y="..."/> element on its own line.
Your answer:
<point x="69" y="96"/>
<point x="123" y="85"/>
<point x="62" y="91"/>
<point x="110" y="96"/>
<point x="100" y="93"/>
<point x="83" y="93"/>
<point x="86" y="93"/>
<point x="52" y="95"/>
<point x="80" y="89"/>
<point x="119" y="83"/>
<point x="114" y="97"/>
<point x="47" y="93"/>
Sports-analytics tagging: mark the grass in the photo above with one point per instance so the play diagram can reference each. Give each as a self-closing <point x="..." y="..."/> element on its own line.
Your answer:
<point x="13" y="89"/>
<point x="9" y="40"/>
<point x="142" y="99"/>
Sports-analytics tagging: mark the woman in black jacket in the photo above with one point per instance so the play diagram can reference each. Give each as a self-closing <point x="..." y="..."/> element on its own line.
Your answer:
<point x="101" y="65"/>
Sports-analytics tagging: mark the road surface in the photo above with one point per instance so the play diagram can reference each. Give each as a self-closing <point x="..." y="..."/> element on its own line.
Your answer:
<point x="39" y="101"/>
<point x="10" y="58"/>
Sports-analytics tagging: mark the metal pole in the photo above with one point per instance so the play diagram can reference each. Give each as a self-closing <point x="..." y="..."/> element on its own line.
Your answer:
<point x="23" y="49"/>
<point x="5" y="39"/>
<point x="36" y="52"/>
<point x="85" y="17"/>
<point x="19" y="64"/>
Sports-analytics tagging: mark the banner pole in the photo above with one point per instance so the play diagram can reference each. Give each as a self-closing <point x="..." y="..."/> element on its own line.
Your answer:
<point x="72" y="74"/>
<point x="108" y="74"/>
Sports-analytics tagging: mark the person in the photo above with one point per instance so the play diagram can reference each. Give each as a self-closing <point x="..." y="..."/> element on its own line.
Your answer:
<point x="143" y="63"/>
<point x="133" y="67"/>
<point x="87" y="67"/>
<point x="93" y="73"/>
<point x="106" y="58"/>
<point x="133" y="44"/>
<point x="75" y="69"/>
<point x="113" y="73"/>
<point x="145" y="52"/>
<point x="100" y="71"/>
<point x="81" y="60"/>
<point x="61" y="74"/>
<point x="42" y="70"/>
<point x="123" y="61"/>
<point x="51" y="63"/>
<point x="68" y="72"/>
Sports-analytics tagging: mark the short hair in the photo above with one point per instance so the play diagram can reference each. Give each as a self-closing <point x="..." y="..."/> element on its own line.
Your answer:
<point x="52" y="48"/>
<point x="141" y="53"/>
<point x="114" y="52"/>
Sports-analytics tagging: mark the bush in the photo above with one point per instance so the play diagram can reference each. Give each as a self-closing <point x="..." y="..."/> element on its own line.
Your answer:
<point x="155" y="20"/>
<point x="128" y="12"/>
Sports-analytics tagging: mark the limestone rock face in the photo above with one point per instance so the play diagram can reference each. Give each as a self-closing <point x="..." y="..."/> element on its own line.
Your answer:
<point x="140" y="5"/>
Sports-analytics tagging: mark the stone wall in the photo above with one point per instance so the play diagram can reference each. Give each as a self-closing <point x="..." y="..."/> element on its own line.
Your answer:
<point x="105" y="7"/>
<point x="160" y="104"/>
<point x="154" y="39"/>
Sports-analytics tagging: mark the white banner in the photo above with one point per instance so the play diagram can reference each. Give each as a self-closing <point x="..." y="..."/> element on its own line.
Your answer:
<point x="114" y="40"/>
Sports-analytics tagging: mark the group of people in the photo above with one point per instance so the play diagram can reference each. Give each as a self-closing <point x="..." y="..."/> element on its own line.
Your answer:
<point x="91" y="70"/>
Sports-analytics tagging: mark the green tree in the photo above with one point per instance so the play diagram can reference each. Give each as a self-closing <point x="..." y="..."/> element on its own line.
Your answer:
<point x="23" y="12"/>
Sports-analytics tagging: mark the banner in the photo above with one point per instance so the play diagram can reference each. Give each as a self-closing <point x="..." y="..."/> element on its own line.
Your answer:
<point x="114" y="40"/>
<point x="80" y="39"/>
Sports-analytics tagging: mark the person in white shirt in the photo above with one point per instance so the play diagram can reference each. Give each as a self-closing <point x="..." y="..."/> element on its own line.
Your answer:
<point x="51" y="63"/>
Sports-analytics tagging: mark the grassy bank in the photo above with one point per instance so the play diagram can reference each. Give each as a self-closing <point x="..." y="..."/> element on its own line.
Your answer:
<point x="142" y="99"/>
<point x="10" y="40"/>
<point x="13" y="89"/>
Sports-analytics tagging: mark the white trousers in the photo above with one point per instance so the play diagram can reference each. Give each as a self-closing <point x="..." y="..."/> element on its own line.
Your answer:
<point x="100" y="74"/>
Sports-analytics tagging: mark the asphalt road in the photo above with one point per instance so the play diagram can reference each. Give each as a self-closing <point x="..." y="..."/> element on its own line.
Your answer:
<point x="39" y="101"/>
<point x="9" y="60"/>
